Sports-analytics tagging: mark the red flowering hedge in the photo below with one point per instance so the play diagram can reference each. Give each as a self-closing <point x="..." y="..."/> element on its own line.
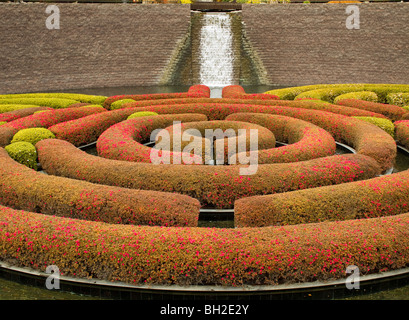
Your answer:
<point x="226" y="148"/>
<point x="45" y="120"/>
<point x="393" y="112"/>
<point x="195" y="91"/>
<point x="123" y="141"/>
<point x="87" y="129"/>
<point x="382" y="196"/>
<point x="238" y="92"/>
<point x="305" y="140"/>
<point x="20" y="113"/>
<point x="204" y="256"/>
<point x="217" y="186"/>
<point x="61" y="196"/>
<point x="366" y="138"/>
<point x="402" y="133"/>
<point x="302" y="104"/>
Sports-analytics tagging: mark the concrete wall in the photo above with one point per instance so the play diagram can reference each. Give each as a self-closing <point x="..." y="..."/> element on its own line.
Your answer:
<point x="108" y="45"/>
<point x="302" y="44"/>
<point x="97" y="45"/>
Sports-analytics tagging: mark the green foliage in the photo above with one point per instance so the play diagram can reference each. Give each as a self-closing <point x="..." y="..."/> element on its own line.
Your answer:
<point x="330" y="91"/>
<point x="24" y="153"/>
<point x="384" y="124"/>
<point x="360" y="95"/>
<point x="2" y="122"/>
<point x="118" y="104"/>
<point x="400" y="98"/>
<point x="55" y="103"/>
<point x="12" y="107"/>
<point x="94" y="99"/>
<point x="142" y="114"/>
<point x="32" y="135"/>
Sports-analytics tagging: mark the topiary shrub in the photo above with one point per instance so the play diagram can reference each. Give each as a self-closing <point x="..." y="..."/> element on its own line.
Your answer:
<point x="118" y="103"/>
<point x="13" y="107"/>
<point x="32" y="135"/>
<point x="398" y="98"/>
<point x="142" y="114"/>
<point x="360" y="95"/>
<point x="55" y="103"/>
<point x="384" y="124"/>
<point x="24" y="153"/>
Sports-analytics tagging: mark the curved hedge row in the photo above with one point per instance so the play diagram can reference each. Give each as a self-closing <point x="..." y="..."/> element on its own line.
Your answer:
<point x="399" y="98"/>
<point x="87" y="129"/>
<point x="123" y="141"/>
<point x="382" y="196"/>
<point x="204" y="256"/>
<point x="314" y="250"/>
<point x="45" y="120"/>
<point x="14" y="107"/>
<point x="217" y="186"/>
<point x="302" y="104"/>
<point x="238" y="92"/>
<point x="221" y="141"/>
<point x="83" y="98"/>
<point x="20" y="113"/>
<point x="306" y="141"/>
<point x="402" y="133"/>
<point x="364" y="137"/>
<point x="195" y="91"/>
<point x="328" y="92"/>
<point x="360" y="95"/>
<point x="393" y="112"/>
<point x="43" y="102"/>
<point x="60" y="196"/>
<point x="385" y="124"/>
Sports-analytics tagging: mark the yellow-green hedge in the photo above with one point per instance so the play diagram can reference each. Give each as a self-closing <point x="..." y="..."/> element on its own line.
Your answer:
<point x="384" y="124"/>
<point x="360" y="95"/>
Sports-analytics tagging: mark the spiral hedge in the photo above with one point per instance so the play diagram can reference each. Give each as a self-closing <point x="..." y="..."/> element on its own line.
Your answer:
<point x="305" y="215"/>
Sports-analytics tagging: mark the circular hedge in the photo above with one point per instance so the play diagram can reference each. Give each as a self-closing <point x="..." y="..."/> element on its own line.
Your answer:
<point x="297" y="220"/>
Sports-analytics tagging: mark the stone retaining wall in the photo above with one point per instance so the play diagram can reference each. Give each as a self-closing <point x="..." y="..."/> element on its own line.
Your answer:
<point x="111" y="45"/>
<point x="302" y="44"/>
<point x="97" y="45"/>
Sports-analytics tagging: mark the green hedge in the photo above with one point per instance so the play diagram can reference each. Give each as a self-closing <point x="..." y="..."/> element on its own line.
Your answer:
<point x="142" y="114"/>
<point x="55" y="103"/>
<point x="118" y="103"/>
<point x="328" y="92"/>
<point x="24" y="153"/>
<point x="12" y="107"/>
<point x="360" y="95"/>
<point x="32" y="135"/>
<point x="384" y="124"/>
<point x="84" y="98"/>
<point x="400" y="98"/>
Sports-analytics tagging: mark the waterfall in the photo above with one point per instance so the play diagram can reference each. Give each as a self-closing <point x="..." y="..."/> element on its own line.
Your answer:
<point x="216" y="54"/>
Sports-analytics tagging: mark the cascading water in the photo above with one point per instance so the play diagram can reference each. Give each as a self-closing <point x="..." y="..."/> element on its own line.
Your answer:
<point x="216" y="54"/>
